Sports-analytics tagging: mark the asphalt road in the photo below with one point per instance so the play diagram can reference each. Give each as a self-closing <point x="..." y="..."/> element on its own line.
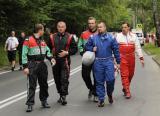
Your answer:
<point x="145" y="99"/>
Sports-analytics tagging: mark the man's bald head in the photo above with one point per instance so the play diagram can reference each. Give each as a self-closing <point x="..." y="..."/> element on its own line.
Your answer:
<point x="61" y="26"/>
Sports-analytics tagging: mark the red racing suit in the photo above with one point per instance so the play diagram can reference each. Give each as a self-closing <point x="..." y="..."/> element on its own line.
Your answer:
<point x="128" y="45"/>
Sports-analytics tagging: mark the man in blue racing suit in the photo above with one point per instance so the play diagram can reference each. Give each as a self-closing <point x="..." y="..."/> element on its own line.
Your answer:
<point x="105" y="47"/>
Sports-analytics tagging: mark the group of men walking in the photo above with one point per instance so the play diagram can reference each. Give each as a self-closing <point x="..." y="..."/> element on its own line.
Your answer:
<point x="35" y="50"/>
<point x="110" y="54"/>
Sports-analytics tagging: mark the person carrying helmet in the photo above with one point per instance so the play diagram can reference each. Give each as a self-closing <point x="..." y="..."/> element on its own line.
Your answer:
<point x="104" y="45"/>
<point x="88" y="58"/>
<point x="86" y="70"/>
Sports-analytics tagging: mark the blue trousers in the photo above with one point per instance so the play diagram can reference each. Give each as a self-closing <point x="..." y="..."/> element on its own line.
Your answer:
<point x="104" y="75"/>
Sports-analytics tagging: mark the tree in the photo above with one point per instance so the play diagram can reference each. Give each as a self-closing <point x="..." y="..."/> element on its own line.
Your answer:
<point x="21" y="15"/>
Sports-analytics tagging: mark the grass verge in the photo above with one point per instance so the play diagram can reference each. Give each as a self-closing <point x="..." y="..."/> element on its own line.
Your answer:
<point x="153" y="50"/>
<point x="3" y="57"/>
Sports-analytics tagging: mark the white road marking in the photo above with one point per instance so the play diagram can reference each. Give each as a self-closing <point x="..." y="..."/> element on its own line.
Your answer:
<point x="22" y="95"/>
<point x="4" y="72"/>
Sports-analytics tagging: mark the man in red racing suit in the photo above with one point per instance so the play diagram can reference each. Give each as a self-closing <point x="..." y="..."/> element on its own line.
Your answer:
<point x="128" y="45"/>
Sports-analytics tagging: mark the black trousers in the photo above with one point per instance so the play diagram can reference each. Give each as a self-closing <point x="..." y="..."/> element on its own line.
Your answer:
<point x="11" y="55"/>
<point x="20" y="58"/>
<point x="86" y="75"/>
<point x="37" y="71"/>
<point x="61" y="73"/>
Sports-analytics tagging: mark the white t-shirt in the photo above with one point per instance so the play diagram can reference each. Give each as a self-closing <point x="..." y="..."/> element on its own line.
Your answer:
<point x="11" y="42"/>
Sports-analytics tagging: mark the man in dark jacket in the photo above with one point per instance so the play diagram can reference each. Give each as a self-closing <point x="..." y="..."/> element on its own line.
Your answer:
<point x="86" y="70"/>
<point x="21" y="40"/>
<point x="63" y="45"/>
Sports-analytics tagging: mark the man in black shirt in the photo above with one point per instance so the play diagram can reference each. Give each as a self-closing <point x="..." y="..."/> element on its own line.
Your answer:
<point x="21" y="40"/>
<point x="62" y="45"/>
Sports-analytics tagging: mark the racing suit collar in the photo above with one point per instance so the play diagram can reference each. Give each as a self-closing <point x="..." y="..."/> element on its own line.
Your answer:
<point x="61" y="34"/>
<point x="36" y="36"/>
<point x="126" y="34"/>
<point x="92" y="31"/>
<point x="103" y="36"/>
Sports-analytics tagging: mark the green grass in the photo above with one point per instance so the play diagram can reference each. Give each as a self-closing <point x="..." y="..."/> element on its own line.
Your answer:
<point x="152" y="49"/>
<point x="3" y="57"/>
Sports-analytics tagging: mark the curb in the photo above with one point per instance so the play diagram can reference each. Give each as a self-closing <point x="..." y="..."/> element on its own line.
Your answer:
<point x="5" y="68"/>
<point x="153" y="58"/>
<point x="156" y="61"/>
<point x="8" y="68"/>
<point x="147" y="52"/>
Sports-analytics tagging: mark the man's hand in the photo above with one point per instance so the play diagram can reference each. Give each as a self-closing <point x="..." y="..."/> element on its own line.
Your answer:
<point x="94" y="49"/>
<point x="63" y="53"/>
<point x="142" y="62"/>
<point x="118" y="66"/>
<point x="81" y="53"/>
<point x="26" y="71"/>
<point x="53" y="61"/>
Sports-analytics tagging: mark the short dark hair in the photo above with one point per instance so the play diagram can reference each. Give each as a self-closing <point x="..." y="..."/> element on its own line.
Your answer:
<point x="126" y="23"/>
<point x="92" y="18"/>
<point x="38" y="27"/>
<point x="101" y="21"/>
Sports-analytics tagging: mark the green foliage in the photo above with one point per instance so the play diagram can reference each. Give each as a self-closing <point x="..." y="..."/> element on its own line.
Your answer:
<point x="3" y="60"/>
<point x="143" y="9"/>
<point x="21" y="15"/>
<point x="152" y="49"/>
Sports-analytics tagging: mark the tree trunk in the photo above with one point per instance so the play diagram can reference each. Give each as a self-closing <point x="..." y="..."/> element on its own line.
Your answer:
<point x="156" y="22"/>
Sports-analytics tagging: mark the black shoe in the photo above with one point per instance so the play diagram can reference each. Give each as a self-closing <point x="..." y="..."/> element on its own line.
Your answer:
<point x="95" y="99"/>
<point x="45" y="104"/>
<point x="20" y="68"/>
<point x="64" y="102"/>
<point x="110" y="99"/>
<point x="90" y="94"/>
<point x="60" y="100"/>
<point x="101" y="104"/>
<point x="29" y="109"/>
<point x="124" y="92"/>
<point x="12" y="68"/>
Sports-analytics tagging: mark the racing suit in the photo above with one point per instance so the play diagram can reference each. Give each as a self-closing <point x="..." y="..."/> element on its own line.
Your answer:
<point x="104" y="62"/>
<point x="33" y="54"/>
<point x="128" y="45"/>
<point x="86" y="70"/>
<point x="61" y="70"/>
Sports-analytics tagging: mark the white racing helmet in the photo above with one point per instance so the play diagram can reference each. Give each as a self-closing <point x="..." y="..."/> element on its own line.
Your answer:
<point x="88" y="58"/>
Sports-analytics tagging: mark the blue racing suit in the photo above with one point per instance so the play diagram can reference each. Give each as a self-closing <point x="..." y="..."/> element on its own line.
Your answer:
<point x="104" y="62"/>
